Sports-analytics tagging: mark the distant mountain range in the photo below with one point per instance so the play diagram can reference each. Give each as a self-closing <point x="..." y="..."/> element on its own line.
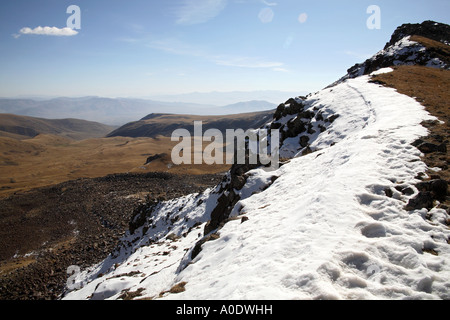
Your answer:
<point x="119" y="111"/>
<point x="229" y="98"/>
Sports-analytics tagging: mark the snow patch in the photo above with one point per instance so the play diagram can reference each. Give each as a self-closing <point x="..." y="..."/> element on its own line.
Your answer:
<point x="382" y="71"/>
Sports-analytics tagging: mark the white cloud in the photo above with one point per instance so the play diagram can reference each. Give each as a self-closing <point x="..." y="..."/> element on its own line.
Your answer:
<point x="358" y="55"/>
<point x="269" y="4"/>
<point x="174" y="46"/>
<point x="47" y="31"/>
<point x="199" y="11"/>
<point x="246" y="62"/>
<point x="278" y="69"/>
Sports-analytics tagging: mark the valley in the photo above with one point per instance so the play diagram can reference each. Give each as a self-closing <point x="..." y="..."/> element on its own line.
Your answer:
<point x="51" y="158"/>
<point x="47" y="159"/>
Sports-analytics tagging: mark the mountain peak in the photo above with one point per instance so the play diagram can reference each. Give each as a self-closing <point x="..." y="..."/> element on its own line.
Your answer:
<point x="424" y="44"/>
<point x="428" y="29"/>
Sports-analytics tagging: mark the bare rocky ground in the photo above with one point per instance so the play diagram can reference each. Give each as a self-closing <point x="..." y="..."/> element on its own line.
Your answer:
<point x="46" y="230"/>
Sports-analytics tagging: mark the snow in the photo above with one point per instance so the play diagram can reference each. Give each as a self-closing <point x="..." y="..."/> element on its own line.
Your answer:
<point x="382" y="71"/>
<point x="401" y="47"/>
<point x="324" y="229"/>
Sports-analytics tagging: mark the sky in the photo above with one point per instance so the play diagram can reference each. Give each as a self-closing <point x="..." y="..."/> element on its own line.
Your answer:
<point x="142" y="48"/>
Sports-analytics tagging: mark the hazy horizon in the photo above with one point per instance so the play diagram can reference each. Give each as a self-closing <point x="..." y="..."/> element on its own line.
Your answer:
<point x="272" y="96"/>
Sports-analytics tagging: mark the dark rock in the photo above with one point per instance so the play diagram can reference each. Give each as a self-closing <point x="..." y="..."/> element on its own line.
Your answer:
<point x="140" y="215"/>
<point x="332" y="118"/>
<point x="388" y="192"/>
<point x="428" y="147"/>
<point x="307" y="151"/>
<point x="155" y="157"/>
<point x="429" y="191"/>
<point x="238" y="182"/>
<point x="423" y="186"/>
<point x="304" y="140"/>
<point x="439" y="188"/>
<point x="222" y="211"/>
<point x="306" y="114"/>
<point x="417" y="143"/>
<point x="198" y="246"/>
<point x="279" y="112"/>
<point x="319" y="116"/>
<point x="322" y="128"/>
<point x="407" y="191"/>
<point x="423" y="200"/>
<point x="294" y="106"/>
<point x="310" y="129"/>
<point x="243" y="219"/>
<point x="295" y="127"/>
<point x="275" y="125"/>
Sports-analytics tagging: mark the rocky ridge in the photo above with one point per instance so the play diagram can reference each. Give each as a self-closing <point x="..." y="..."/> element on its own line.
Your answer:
<point x="406" y="48"/>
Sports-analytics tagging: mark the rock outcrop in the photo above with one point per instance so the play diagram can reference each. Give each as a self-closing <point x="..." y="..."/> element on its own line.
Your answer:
<point x="405" y="48"/>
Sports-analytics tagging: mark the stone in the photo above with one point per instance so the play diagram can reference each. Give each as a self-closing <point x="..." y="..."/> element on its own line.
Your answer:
<point x="388" y="192"/>
<point x="423" y="200"/>
<point x="279" y="112"/>
<point x="439" y="189"/>
<point x="155" y="157"/>
<point x="304" y="140"/>
<point x="407" y="191"/>
<point x="428" y="147"/>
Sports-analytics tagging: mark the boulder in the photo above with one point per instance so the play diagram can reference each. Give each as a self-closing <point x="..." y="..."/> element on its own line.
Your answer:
<point x="428" y="147"/>
<point x="423" y="200"/>
<point x="304" y="141"/>
<point x="439" y="189"/>
<point x="155" y="157"/>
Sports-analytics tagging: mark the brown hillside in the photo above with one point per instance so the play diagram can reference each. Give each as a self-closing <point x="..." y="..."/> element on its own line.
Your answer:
<point x="438" y="49"/>
<point x="164" y="124"/>
<point x="23" y="127"/>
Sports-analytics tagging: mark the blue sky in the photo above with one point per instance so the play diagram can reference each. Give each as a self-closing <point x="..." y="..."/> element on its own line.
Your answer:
<point x="140" y="48"/>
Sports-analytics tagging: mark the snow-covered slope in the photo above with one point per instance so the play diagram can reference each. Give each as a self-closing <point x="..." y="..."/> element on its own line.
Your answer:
<point x="330" y="223"/>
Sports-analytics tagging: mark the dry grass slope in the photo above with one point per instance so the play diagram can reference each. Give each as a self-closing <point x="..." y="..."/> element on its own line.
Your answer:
<point x="164" y="124"/>
<point x="23" y="127"/>
<point x="47" y="159"/>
